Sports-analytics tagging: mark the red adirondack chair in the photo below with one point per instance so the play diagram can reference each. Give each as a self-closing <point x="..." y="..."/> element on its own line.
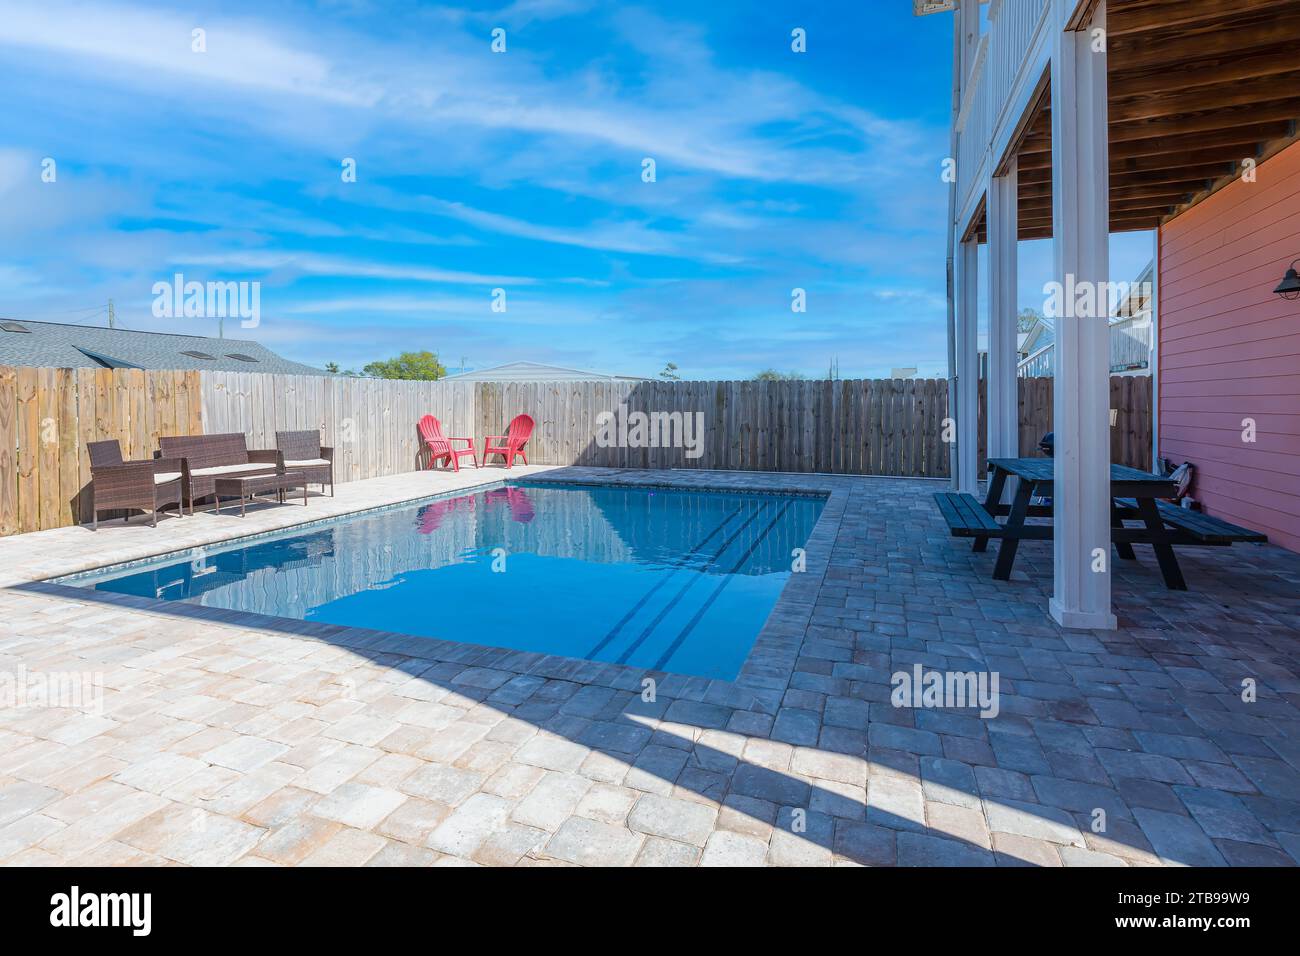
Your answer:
<point x="512" y="443"/>
<point x="440" y="446"/>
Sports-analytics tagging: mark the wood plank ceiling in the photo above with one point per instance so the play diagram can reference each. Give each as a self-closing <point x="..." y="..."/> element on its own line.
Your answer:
<point x="1196" y="87"/>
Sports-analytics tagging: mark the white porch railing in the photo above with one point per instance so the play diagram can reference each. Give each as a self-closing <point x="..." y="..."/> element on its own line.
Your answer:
<point x="1004" y="51"/>
<point x="1130" y="349"/>
<point x="1130" y="343"/>
<point x="1037" y="364"/>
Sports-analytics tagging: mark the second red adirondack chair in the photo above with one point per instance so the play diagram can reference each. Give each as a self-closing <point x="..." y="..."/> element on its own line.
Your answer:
<point x="440" y="446"/>
<point x="512" y="443"/>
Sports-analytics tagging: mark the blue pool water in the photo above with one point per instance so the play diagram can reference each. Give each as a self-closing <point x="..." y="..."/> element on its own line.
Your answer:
<point x="664" y="579"/>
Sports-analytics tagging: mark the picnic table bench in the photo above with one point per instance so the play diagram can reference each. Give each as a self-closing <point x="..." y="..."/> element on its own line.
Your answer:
<point x="1134" y="497"/>
<point x="1197" y="525"/>
<point x="966" y="516"/>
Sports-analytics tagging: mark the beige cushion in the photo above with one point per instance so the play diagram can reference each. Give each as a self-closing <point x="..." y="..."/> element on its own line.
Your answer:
<point x="305" y="463"/>
<point x="233" y="469"/>
<point x="162" y="477"/>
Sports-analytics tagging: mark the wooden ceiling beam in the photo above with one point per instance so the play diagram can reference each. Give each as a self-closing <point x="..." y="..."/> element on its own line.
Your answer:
<point x="1170" y="197"/>
<point x="1210" y="99"/>
<point x="1243" y="137"/>
<point x="1230" y="152"/>
<point x="1188" y="177"/>
<point x="1163" y="177"/>
<point x="1157" y="204"/>
<point x="1130" y="54"/>
<point x="1130" y="19"/>
<point x="1229" y="156"/>
<point x="1033" y="191"/>
<point x="1040" y="202"/>
<point x="1252" y="115"/>
<point x="1149" y="225"/>
<point x="1169" y="192"/>
<point x="1166" y="202"/>
<point x="1142" y="184"/>
<point x="1170" y="135"/>
<point x="1166" y="78"/>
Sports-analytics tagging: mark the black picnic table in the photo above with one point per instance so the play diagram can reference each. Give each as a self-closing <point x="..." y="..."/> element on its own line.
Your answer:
<point x="1134" y="496"/>
<point x="1133" y="493"/>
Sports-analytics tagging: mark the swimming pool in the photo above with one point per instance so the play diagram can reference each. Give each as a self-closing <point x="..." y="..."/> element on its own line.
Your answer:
<point x="660" y="578"/>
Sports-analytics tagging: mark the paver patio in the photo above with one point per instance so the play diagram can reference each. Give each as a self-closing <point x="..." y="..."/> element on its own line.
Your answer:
<point x="229" y="739"/>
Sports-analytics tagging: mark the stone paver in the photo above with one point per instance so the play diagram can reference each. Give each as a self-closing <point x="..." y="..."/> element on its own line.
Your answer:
<point x="726" y="848"/>
<point x="357" y="805"/>
<point x="1178" y="839"/>
<point x="224" y="739"/>
<point x="680" y="820"/>
<point x="591" y="843"/>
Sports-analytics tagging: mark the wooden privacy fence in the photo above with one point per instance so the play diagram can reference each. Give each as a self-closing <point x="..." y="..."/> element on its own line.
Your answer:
<point x="370" y="422"/>
<point x="866" y="426"/>
<point x="882" y="426"/>
<point x="1130" y="408"/>
<point x="49" y="415"/>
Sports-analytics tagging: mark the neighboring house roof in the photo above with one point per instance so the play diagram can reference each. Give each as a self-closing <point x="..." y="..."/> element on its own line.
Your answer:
<point x="1041" y="332"/>
<point x="57" y="345"/>
<point x="536" y="372"/>
<point x="1138" y="299"/>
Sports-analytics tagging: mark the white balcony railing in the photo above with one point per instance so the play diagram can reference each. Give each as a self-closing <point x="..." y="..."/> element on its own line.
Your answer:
<point x="1130" y="349"/>
<point x="1003" y="55"/>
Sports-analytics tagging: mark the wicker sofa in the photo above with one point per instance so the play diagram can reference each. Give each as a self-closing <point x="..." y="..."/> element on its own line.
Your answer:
<point x="131" y="485"/>
<point x="204" y="458"/>
<point x="302" y="451"/>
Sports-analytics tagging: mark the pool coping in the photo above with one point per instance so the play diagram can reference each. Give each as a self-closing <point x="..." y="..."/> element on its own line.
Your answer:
<point x="244" y="539"/>
<point x="760" y="685"/>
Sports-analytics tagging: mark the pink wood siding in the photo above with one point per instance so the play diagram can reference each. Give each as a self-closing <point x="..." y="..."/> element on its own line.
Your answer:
<point x="1230" y="349"/>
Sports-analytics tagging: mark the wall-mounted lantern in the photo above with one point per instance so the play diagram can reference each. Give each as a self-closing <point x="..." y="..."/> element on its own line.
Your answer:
<point x="1289" y="287"/>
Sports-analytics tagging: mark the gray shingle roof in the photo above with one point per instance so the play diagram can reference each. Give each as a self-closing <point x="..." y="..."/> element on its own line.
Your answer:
<point x="56" y="345"/>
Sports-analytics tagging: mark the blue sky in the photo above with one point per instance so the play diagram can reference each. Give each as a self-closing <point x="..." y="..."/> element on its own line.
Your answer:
<point x="477" y="170"/>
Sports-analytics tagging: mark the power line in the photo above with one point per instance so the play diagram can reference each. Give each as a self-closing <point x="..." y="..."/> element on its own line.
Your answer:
<point x="33" y="315"/>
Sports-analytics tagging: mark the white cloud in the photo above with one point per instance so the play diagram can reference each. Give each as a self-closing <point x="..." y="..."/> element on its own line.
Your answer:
<point x="430" y="88"/>
<point x="159" y="44"/>
<point x="310" y="263"/>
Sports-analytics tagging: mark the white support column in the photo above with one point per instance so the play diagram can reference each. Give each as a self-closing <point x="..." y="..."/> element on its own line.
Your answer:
<point x="1003" y="398"/>
<point x="1080" y="230"/>
<point x="966" y="270"/>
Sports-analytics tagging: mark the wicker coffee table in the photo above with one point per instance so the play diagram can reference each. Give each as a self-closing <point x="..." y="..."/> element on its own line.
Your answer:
<point x="248" y="486"/>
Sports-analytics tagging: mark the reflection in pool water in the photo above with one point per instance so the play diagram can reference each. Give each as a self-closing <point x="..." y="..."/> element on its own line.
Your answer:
<point x="656" y="578"/>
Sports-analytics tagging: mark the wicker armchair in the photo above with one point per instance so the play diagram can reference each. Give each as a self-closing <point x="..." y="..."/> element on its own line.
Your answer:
<point x="132" y="485"/>
<point x="302" y="451"/>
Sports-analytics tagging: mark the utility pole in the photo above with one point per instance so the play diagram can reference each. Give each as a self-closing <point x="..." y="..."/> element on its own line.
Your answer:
<point x="111" y="317"/>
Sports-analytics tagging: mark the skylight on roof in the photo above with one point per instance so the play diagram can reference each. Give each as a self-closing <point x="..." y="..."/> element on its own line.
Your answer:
<point x="241" y="357"/>
<point x="14" y="327"/>
<point x="199" y="355"/>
